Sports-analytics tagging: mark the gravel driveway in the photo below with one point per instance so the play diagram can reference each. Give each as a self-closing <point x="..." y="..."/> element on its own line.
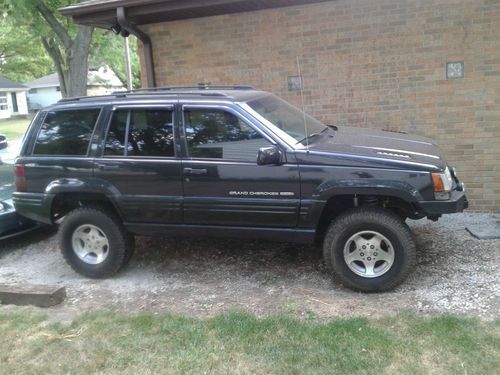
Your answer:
<point x="456" y="273"/>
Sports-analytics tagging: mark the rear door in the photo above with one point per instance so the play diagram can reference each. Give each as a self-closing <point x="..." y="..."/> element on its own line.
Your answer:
<point x="223" y="185"/>
<point x="140" y="160"/>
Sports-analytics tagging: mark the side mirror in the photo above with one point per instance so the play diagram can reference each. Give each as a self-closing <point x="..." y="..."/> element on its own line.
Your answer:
<point x="269" y="156"/>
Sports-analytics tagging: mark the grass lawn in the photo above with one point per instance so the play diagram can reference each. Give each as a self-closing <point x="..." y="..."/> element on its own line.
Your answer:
<point x="237" y="343"/>
<point x="14" y="129"/>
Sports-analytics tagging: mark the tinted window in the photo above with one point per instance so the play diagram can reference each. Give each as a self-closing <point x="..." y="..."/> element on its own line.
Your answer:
<point x="115" y="140"/>
<point x="66" y="132"/>
<point x="149" y="133"/>
<point x="220" y="135"/>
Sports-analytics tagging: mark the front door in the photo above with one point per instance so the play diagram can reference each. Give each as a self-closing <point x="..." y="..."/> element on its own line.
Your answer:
<point x="139" y="160"/>
<point x="223" y="185"/>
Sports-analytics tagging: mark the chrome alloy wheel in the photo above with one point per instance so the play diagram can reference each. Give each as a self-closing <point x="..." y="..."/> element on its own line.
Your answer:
<point x="90" y="244"/>
<point x="369" y="254"/>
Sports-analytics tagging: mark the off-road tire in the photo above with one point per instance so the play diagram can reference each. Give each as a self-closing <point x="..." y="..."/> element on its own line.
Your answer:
<point x="375" y="219"/>
<point x="121" y="243"/>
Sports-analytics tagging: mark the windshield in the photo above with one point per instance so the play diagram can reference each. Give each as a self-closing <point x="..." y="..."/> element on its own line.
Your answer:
<point x="287" y="118"/>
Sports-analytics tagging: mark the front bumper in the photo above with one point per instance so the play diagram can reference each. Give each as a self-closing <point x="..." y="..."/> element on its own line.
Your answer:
<point x="457" y="203"/>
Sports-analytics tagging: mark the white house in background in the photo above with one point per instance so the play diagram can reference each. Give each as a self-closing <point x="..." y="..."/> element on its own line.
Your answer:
<point x="46" y="90"/>
<point x="12" y="99"/>
<point x="43" y="92"/>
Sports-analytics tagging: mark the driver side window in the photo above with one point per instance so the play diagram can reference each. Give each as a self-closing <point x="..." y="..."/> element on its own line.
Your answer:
<point x="218" y="134"/>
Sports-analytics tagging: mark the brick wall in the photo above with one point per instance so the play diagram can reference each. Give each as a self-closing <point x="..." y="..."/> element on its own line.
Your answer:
<point x="373" y="63"/>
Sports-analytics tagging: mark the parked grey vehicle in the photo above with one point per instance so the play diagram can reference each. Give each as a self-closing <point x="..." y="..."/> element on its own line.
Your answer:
<point x="3" y="141"/>
<point x="229" y="161"/>
<point x="11" y="224"/>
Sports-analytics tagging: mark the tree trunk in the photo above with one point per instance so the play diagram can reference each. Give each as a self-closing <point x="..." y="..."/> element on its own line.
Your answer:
<point x="55" y="55"/>
<point x="77" y="62"/>
<point x="72" y="69"/>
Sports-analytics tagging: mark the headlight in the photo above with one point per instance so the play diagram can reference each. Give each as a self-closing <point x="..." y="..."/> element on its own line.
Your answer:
<point x="453" y="171"/>
<point x="442" y="184"/>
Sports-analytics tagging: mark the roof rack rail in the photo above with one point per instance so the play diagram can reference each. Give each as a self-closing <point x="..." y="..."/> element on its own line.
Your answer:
<point x="71" y="99"/>
<point x="200" y="86"/>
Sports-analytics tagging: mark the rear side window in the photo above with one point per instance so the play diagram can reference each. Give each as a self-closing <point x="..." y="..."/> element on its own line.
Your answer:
<point x="66" y="132"/>
<point x="141" y="132"/>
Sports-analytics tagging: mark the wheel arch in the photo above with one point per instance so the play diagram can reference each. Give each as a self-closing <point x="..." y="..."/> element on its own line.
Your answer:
<point x="72" y="193"/>
<point x="345" y="198"/>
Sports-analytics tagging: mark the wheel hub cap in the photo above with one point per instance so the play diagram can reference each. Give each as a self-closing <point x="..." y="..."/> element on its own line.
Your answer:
<point x="369" y="254"/>
<point x="90" y="244"/>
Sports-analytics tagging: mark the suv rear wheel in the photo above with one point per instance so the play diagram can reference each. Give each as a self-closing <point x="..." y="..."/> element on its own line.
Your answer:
<point x="94" y="242"/>
<point x="369" y="249"/>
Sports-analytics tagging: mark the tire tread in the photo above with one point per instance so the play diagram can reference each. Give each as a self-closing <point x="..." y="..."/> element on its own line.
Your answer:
<point x="124" y="239"/>
<point x="376" y="215"/>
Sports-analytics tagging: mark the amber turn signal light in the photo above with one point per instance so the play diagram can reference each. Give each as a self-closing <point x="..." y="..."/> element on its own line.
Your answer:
<point x="438" y="182"/>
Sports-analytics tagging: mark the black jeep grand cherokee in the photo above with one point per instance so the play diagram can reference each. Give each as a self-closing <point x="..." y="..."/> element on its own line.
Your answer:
<point x="228" y="161"/>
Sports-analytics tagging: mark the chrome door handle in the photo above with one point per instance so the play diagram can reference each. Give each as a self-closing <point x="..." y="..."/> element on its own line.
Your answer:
<point x="195" y="171"/>
<point x="107" y="166"/>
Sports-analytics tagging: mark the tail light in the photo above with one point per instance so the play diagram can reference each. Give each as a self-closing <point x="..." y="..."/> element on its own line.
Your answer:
<point x="20" y="178"/>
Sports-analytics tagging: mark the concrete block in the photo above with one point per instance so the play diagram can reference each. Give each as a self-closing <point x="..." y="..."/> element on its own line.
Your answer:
<point x="37" y="295"/>
<point x="485" y="231"/>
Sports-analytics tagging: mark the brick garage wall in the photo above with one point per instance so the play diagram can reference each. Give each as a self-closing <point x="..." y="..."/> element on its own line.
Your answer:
<point x="371" y="63"/>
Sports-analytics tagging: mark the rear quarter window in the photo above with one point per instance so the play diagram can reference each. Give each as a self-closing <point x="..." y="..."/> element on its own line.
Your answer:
<point x="66" y="132"/>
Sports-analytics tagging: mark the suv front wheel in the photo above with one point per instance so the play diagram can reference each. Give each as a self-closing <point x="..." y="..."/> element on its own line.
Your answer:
<point x="94" y="242"/>
<point x="369" y="249"/>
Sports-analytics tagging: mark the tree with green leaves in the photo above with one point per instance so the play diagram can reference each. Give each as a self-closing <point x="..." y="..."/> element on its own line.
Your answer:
<point x="67" y="44"/>
<point x="108" y="49"/>
<point x="22" y="57"/>
<point x="36" y="31"/>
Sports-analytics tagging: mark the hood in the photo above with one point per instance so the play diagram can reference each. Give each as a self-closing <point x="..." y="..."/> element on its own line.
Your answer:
<point x="382" y="145"/>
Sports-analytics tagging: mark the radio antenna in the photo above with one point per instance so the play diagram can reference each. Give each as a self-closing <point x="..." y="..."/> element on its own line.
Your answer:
<point x="303" y="104"/>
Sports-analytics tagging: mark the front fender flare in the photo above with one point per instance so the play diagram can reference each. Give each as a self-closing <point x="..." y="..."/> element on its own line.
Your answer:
<point x="397" y="189"/>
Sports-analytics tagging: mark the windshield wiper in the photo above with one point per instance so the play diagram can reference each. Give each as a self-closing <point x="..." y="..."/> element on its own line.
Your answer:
<point x="313" y="135"/>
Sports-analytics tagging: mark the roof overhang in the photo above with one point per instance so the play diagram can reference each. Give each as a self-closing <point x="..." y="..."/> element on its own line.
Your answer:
<point x="13" y="89"/>
<point x="43" y="86"/>
<point x="102" y="13"/>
